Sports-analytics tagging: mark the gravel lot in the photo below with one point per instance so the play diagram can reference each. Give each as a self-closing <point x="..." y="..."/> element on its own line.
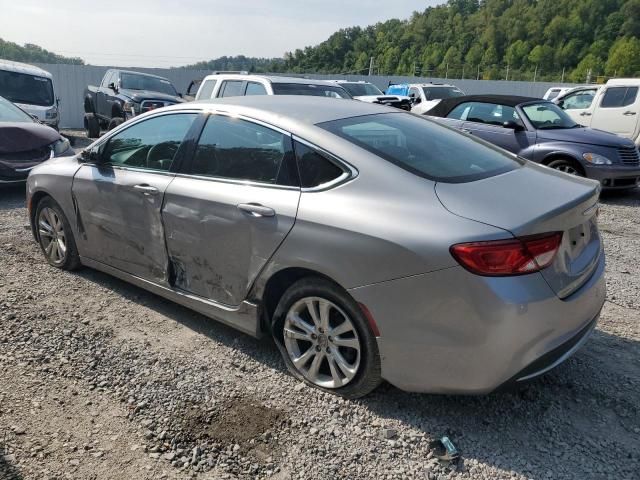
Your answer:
<point x="101" y="380"/>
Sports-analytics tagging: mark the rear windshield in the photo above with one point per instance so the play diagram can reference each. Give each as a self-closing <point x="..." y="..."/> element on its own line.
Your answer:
<point x="132" y="81"/>
<point x="29" y="89"/>
<point x="438" y="93"/>
<point x="424" y="147"/>
<point x="309" y="89"/>
<point x="361" y="89"/>
<point x="10" y="113"/>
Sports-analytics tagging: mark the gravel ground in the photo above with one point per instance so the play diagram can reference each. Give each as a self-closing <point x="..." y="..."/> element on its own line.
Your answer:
<point x="102" y="380"/>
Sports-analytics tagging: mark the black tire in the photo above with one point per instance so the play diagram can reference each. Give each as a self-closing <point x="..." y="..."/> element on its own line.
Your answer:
<point x="567" y="166"/>
<point x="71" y="260"/>
<point x="91" y="125"/>
<point x="367" y="377"/>
<point x="115" y="122"/>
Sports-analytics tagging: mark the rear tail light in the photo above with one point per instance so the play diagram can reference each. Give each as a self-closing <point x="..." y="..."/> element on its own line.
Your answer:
<point x="518" y="256"/>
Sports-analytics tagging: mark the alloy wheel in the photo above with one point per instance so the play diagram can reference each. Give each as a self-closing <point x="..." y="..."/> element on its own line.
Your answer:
<point x="566" y="168"/>
<point x="322" y="342"/>
<point x="52" y="236"/>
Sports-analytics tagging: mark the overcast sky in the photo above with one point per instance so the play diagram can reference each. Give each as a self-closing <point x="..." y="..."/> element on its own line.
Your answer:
<point x="178" y="32"/>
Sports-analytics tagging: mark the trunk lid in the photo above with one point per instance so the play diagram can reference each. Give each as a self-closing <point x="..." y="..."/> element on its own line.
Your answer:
<point x="533" y="200"/>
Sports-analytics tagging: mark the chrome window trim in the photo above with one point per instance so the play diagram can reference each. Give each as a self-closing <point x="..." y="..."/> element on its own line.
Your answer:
<point x="350" y="172"/>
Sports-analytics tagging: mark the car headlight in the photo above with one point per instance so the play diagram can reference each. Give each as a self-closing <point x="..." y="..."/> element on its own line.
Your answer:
<point x="51" y="114"/>
<point x="596" y="159"/>
<point x="129" y="107"/>
<point x="60" y="146"/>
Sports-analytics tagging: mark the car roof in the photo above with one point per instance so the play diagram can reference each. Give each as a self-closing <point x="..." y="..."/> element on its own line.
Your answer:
<point x="11" y="66"/>
<point x="443" y="108"/>
<point x="624" y="81"/>
<point x="270" y="78"/>
<point x="283" y="109"/>
<point x="133" y="72"/>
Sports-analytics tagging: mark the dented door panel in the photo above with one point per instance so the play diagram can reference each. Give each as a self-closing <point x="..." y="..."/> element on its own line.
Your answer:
<point x="216" y="249"/>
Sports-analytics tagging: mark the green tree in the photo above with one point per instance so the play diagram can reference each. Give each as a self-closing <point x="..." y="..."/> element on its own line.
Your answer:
<point x="624" y="57"/>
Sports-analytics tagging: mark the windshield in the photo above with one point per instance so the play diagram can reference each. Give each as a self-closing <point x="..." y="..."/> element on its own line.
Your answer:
<point x="29" y="89"/>
<point x="132" y="81"/>
<point x="10" y="113"/>
<point x="309" y="89"/>
<point x="547" y="116"/>
<point x="438" y="93"/>
<point x="361" y="89"/>
<point x="423" y="147"/>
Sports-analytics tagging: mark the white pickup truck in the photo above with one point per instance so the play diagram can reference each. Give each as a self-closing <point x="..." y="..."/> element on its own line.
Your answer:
<point x="614" y="107"/>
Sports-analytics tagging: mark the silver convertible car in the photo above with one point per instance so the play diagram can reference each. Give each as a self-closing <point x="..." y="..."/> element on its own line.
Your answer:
<point x="372" y="244"/>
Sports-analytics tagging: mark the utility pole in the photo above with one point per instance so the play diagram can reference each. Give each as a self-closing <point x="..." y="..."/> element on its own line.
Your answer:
<point x="371" y="66"/>
<point x="535" y="74"/>
<point x="478" y="77"/>
<point x="562" y="79"/>
<point x="414" y="68"/>
<point x="462" y="71"/>
<point x="507" y="79"/>
<point x="588" y="77"/>
<point x="446" y="75"/>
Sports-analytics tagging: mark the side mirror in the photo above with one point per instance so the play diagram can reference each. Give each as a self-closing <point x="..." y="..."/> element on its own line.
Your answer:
<point x="561" y="104"/>
<point x="180" y="95"/>
<point x="513" y="125"/>
<point x="113" y="87"/>
<point x="416" y="100"/>
<point x="90" y="156"/>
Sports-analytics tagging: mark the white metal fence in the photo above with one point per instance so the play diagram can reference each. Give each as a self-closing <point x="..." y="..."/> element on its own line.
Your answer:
<point x="71" y="80"/>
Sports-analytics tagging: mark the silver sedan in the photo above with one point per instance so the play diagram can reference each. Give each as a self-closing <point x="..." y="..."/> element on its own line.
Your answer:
<point x="372" y="244"/>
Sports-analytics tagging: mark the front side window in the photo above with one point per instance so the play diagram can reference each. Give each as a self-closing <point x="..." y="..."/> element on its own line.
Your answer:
<point x="489" y="113"/>
<point x="23" y="88"/>
<point x="548" y="116"/>
<point x="241" y="150"/>
<point x="254" y="88"/>
<point x="438" y="93"/>
<point x="578" y="100"/>
<point x="361" y="89"/>
<point x="315" y="169"/>
<point x="231" y="88"/>
<point x="310" y="89"/>
<point x="423" y="147"/>
<point x="151" y="144"/>
<point x="206" y="90"/>
<point x="133" y="81"/>
<point x="616" y="97"/>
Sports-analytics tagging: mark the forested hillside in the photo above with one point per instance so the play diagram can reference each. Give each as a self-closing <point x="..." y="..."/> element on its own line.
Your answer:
<point x="486" y="38"/>
<point x="32" y="54"/>
<point x="240" y="63"/>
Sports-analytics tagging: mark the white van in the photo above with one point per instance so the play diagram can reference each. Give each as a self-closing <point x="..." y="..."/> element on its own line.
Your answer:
<point x="30" y="88"/>
<point x="614" y="107"/>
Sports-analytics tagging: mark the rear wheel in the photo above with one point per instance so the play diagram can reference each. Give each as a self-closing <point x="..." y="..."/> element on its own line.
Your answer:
<point x="91" y="125"/>
<point x="115" y="122"/>
<point x="567" y="166"/>
<point x="325" y="339"/>
<point x="55" y="237"/>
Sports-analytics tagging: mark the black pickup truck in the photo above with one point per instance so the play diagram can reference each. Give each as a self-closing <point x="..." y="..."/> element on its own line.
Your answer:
<point x="123" y="94"/>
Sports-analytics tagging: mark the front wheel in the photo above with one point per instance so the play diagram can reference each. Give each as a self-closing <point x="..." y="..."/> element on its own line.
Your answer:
<point x="55" y="237"/>
<point x="566" y="166"/>
<point x="115" y="123"/>
<point x="325" y="339"/>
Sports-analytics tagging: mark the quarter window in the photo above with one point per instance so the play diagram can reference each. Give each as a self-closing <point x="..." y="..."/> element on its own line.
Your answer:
<point x="315" y="169"/>
<point x="579" y="100"/>
<point x="616" y="97"/>
<point x="231" y="88"/>
<point x="151" y="144"/>
<point x="237" y="149"/>
<point x="254" y="88"/>
<point x="206" y="90"/>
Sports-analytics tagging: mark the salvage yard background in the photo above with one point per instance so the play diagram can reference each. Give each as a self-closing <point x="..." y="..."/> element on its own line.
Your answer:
<point x="71" y="80"/>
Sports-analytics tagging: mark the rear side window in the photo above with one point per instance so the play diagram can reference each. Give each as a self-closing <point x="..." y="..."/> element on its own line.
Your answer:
<point x="231" y="88"/>
<point x="206" y="90"/>
<point x="240" y="150"/>
<point x="315" y="169"/>
<point x="423" y="147"/>
<point x="616" y="97"/>
<point x="254" y="88"/>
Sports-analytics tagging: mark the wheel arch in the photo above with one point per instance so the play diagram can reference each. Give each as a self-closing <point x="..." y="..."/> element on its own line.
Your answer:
<point x="563" y="156"/>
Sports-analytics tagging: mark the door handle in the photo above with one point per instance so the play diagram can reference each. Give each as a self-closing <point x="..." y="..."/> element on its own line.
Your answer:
<point x="585" y="114"/>
<point x="628" y="113"/>
<point x="257" y="210"/>
<point x="146" y="189"/>
<point x="466" y="130"/>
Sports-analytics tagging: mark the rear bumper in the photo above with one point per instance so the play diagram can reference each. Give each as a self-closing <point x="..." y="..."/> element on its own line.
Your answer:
<point x="618" y="177"/>
<point x="454" y="332"/>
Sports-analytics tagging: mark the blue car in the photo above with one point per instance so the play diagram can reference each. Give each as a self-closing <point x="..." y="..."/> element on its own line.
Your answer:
<point x="540" y="131"/>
